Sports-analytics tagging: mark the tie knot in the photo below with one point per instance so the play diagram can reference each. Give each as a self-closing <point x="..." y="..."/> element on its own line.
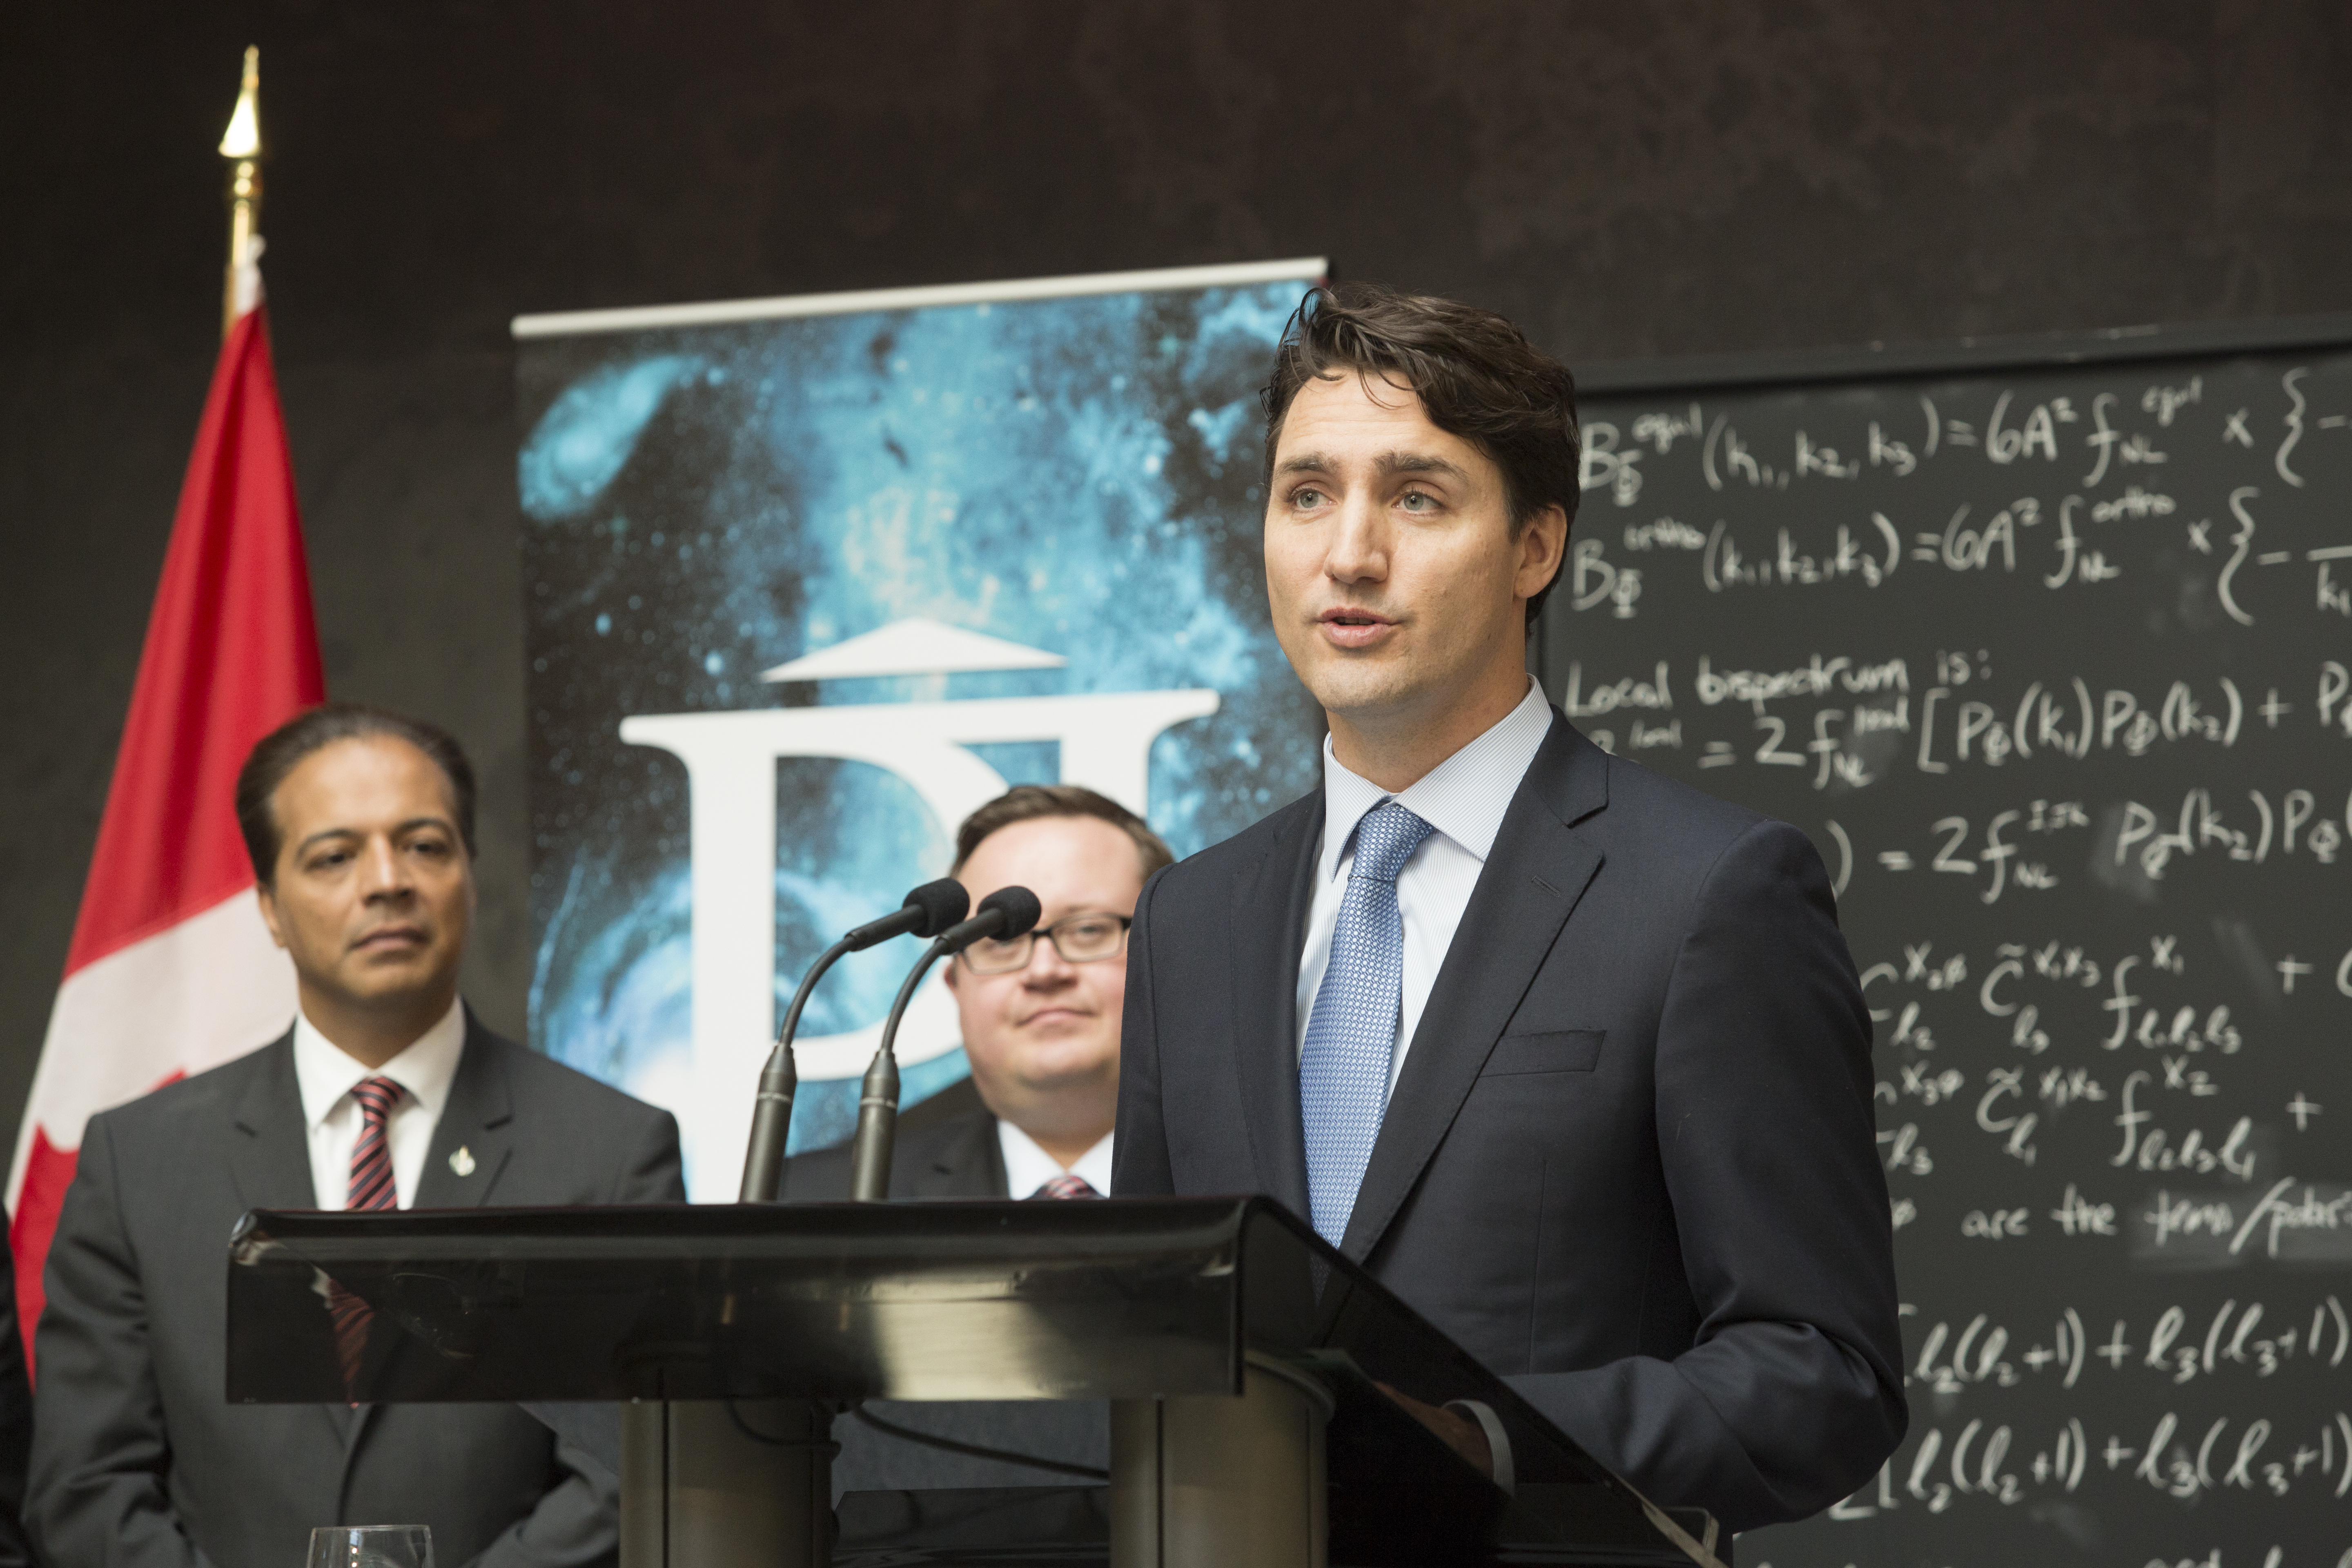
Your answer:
<point x="1385" y="840"/>
<point x="1068" y="1185"/>
<point x="376" y="1095"/>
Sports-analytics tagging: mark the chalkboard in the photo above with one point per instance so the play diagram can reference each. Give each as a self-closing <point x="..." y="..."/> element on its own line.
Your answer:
<point x="2050" y="650"/>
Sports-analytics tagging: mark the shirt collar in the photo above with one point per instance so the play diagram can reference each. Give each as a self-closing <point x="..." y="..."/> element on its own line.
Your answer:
<point x="424" y="1068"/>
<point x="1463" y="797"/>
<point x="1028" y="1167"/>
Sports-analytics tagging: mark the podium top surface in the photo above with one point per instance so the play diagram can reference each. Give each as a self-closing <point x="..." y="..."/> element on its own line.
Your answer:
<point x="903" y="1301"/>
<point x="959" y="1300"/>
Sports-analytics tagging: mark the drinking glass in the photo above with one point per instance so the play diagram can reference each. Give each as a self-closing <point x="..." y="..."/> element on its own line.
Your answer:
<point x="371" y="1546"/>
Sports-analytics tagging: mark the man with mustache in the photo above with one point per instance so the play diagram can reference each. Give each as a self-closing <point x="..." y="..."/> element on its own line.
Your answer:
<point x="385" y="1093"/>
<point x="1570" y="1056"/>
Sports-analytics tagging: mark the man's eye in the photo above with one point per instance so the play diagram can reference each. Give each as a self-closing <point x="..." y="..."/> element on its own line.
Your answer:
<point x="1418" y="501"/>
<point x="1305" y="498"/>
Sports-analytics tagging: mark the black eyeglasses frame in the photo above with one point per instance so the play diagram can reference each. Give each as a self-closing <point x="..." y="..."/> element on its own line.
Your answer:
<point x="1052" y="934"/>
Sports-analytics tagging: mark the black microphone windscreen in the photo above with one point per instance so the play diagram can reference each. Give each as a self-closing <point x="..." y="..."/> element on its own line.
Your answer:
<point x="1021" y="910"/>
<point x="942" y="903"/>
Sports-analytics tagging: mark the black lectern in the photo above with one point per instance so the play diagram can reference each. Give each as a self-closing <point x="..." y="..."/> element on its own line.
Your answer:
<point x="1243" y="1358"/>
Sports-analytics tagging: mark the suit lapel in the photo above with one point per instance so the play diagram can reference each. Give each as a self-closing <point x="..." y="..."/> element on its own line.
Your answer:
<point x="1534" y="874"/>
<point x="269" y="1157"/>
<point x="272" y="1159"/>
<point x="968" y="1162"/>
<point x="475" y="1137"/>
<point x="1267" y="933"/>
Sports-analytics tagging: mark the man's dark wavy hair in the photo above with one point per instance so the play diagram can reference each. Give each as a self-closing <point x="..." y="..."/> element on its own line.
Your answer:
<point x="1477" y="375"/>
<point x="278" y="753"/>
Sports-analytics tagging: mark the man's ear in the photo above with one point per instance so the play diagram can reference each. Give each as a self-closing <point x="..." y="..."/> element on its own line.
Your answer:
<point x="1542" y="545"/>
<point x="269" y="903"/>
<point x="953" y="976"/>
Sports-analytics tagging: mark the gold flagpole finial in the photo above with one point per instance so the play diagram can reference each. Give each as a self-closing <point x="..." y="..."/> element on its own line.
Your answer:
<point x="242" y="137"/>
<point x="241" y="145"/>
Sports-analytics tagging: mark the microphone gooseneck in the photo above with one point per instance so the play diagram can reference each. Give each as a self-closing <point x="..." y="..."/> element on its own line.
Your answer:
<point x="930" y="908"/>
<point x="1006" y="912"/>
<point x="772" y="1111"/>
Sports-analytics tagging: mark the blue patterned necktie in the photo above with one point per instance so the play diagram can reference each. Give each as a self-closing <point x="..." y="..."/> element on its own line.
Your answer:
<point x="1343" y="1072"/>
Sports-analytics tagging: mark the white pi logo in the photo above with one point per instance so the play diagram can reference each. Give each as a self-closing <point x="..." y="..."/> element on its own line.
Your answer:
<point x="731" y="763"/>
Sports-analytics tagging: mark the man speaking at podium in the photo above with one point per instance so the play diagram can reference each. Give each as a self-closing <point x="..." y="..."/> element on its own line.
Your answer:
<point x="1569" y="1056"/>
<point x="386" y="1093"/>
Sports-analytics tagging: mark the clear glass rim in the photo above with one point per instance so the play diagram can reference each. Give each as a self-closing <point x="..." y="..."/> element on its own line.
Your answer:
<point x="328" y="1532"/>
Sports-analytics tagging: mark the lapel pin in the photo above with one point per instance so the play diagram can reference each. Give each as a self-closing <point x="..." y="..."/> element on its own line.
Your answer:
<point x="462" y="1161"/>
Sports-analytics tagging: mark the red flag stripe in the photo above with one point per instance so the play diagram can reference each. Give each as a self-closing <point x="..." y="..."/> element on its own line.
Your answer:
<point x="232" y="652"/>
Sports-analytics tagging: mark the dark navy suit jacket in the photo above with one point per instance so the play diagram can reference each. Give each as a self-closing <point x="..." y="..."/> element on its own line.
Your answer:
<point x="945" y="1148"/>
<point x="1630" y="1161"/>
<point x="139" y="1461"/>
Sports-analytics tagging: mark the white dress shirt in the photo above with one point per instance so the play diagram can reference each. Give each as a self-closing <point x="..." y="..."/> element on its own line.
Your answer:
<point x="326" y="1078"/>
<point x="1027" y="1167"/>
<point x="1463" y="798"/>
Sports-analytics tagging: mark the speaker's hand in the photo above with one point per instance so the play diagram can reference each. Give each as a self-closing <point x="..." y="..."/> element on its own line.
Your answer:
<point x="1458" y="1431"/>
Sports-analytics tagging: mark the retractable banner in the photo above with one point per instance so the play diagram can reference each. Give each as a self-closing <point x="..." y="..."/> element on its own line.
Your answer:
<point x="808" y="580"/>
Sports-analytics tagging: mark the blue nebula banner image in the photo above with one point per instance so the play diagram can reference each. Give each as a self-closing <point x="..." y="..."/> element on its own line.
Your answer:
<point x="805" y="584"/>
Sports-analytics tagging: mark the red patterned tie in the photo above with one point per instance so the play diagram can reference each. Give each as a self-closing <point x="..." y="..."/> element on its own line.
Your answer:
<point x="1068" y="1185"/>
<point x="372" y="1187"/>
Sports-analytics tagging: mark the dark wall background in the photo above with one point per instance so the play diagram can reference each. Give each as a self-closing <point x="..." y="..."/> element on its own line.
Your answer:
<point x="1625" y="180"/>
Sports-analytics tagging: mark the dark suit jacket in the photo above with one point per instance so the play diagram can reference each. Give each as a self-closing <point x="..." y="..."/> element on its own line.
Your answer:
<point x="1630" y="1160"/>
<point x="138" y="1458"/>
<point x="15" y="1421"/>
<point x="945" y="1148"/>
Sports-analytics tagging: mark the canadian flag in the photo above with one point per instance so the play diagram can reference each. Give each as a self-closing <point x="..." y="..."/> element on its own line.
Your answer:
<point x="172" y="969"/>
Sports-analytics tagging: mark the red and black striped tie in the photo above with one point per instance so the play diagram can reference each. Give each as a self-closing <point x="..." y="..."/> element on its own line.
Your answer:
<point x="372" y="1187"/>
<point x="1068" y="1185"/>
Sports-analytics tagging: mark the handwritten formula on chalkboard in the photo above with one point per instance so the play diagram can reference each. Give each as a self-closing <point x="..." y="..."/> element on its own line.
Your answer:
<point x="2053" y="659"/>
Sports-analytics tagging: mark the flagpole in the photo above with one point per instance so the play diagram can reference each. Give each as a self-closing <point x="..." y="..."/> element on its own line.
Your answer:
<point x="172" y="969"/>
<point x="241" y="145"/>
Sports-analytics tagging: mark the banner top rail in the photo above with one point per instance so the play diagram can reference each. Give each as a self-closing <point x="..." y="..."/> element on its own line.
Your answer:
<point x="571" y="323"/>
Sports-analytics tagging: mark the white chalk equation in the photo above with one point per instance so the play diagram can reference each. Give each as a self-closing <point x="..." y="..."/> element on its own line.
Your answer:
<point x="1990" y="1463"/>
<point x="2166" y="1345"/>
<point x="2123" y="513"/>
<point x="1873" y="715"/>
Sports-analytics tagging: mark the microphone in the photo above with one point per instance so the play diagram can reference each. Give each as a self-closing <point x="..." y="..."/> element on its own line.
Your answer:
<point x="1006" y="912"/>
<point x="928" y="911"/>
<point x="933" y="908"/>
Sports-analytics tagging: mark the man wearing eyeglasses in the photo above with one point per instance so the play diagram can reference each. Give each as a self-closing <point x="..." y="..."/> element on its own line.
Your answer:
<point x="1040" y="1013"/>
